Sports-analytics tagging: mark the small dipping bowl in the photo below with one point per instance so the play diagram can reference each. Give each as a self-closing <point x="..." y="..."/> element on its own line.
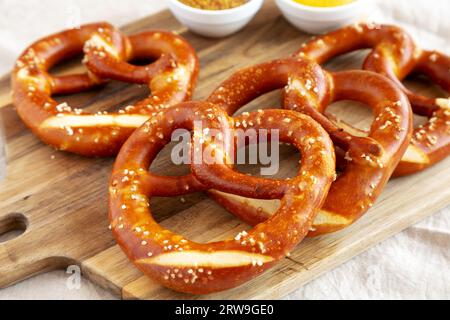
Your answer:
<point x="317" y="20"/>
<point x="215" y="23"/>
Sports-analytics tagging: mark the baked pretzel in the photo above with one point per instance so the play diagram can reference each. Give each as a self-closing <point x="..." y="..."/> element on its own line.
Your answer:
<point x="167" y="88"/>
<point x="432" y="140"/>
<point x="191" y="267"/>
<point x="370" y="161"/>
<point x="396" y="56"/>
<point x="74" y="130"/>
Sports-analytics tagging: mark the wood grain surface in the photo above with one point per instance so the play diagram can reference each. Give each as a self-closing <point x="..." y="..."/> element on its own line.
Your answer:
<point x="60" y="199"/>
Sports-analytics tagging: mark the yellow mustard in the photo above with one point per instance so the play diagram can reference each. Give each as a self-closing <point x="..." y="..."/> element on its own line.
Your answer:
<point x="324" y="3"/>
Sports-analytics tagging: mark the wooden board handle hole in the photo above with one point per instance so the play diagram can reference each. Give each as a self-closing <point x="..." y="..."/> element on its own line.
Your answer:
<point x="12" y="226"/>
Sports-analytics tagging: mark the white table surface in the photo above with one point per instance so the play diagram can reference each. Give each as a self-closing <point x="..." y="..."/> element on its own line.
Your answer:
<point x="414" y="264"/>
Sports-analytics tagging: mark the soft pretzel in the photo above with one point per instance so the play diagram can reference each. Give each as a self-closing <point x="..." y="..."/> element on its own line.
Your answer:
<point x="396" y="56"/>
<point x="370" y="161"/>
<point x="100" y="134"/>
<point x="168" y="87"/>
<point x="191" y="267"/>
<point x="431" y="142"/>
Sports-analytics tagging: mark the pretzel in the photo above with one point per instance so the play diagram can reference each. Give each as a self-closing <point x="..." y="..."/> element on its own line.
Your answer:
<point x="396" y="56"/>
<point x="431" y="141"/>
<point x="168" y="87"/>
<point x="100" y="134"/>
<point x="370" y="161"/>
<point x="187" y="266"/>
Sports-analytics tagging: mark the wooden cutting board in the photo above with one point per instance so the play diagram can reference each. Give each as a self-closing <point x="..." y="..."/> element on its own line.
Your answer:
<point x="60" y="199"/>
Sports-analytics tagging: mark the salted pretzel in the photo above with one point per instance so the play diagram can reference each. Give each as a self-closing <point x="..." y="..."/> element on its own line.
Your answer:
<point x="103" y="133"/>
<point x="167" y="88"/>
<point x="396" y="56"/>
<point x="191" y="267"/>
<point x="369" y="161"/>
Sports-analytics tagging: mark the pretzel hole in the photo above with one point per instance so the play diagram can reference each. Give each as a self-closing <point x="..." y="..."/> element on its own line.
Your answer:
<point x="287" y="161"/>
<point x="352" y="114"/>
<point x="12" y="226"/>
<point x="347" y="61"/>
<point x="143" y="61"/>
<point x="71" y="65"/>
<point x="419" y="120"/>
<point x="165" y="208"/>
<point x="203" y="221"/>
<point x="111" y="97"/>
<point x="177" y="153"/>
<point x="423" y="85"/>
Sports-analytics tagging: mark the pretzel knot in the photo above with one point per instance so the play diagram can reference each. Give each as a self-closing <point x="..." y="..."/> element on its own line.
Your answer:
<point x="369" y="161"/>
<point x="191" y="267"/>
<point x="396" y="56"/>
<point x="171" y="79"/>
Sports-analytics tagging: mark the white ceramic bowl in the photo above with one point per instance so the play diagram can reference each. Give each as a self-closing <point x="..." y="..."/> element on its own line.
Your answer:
<point x="318" y="20"/>
<point x="215" y="23"/>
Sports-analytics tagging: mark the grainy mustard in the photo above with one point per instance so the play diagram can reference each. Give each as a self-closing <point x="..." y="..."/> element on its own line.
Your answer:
<point x="214" y="4"/>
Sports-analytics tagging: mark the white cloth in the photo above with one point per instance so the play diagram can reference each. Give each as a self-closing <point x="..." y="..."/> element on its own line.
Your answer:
<point x="414" y="264"/>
